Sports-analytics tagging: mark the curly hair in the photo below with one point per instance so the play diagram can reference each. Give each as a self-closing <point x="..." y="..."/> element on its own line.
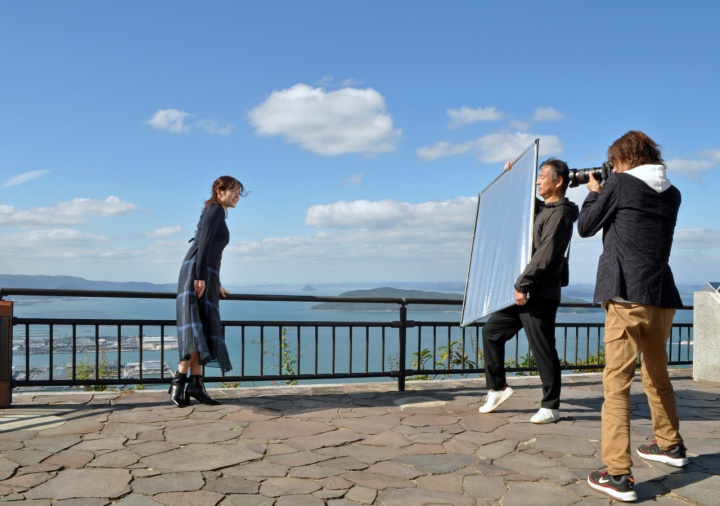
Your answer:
<point x="634" y="149"/>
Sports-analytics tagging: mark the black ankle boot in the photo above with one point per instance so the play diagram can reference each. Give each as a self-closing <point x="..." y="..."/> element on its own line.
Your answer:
<point x="196" y="389"/>
<point x="177" y="390"/>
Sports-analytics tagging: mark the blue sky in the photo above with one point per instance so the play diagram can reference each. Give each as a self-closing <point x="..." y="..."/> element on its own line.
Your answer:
<point x="363" y="129"/>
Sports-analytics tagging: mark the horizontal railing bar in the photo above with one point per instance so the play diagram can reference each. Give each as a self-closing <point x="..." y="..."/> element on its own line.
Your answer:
<point x="53" y="292"/>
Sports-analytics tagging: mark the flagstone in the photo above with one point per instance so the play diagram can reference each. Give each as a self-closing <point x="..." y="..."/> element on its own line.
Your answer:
<point x="537" y="494"/>
<point x="201" y="433"/>
<point x="387" y="438"/>
<point x="257" y="470"/>
<point x="452" y="483"/>
<point x="486" y="487"/>
<point x="422" y="497"/>
<point x="363" y="495"/>
<point x="168" y="482"/>
<point x="27" y="456"/>
<point x="314" y="472"/>
<point x="120" y="458"/>
<point x="53" y="443"/>
<point x="105" y="443"/>
<point x="200" y="457"/>
<point x="298" y="458"/>
<point x="196" y="498"/>
<point x="394" y="469"/>
<point x="300" y="500"/>
<point x="367" y="424"/>
<point x="284" y="428"/>
<point x="337" y="437"/>
<point x="74" y="459"/>
<point x="28" y="480"/>
<point x="437" y="464"/>
<point x="376" y="481"/>
<point x="279" y="487"/>
<point x="74" y="483"/>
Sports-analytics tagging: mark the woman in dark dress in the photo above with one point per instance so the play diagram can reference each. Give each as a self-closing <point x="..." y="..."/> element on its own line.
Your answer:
<point x="200" y="335"/>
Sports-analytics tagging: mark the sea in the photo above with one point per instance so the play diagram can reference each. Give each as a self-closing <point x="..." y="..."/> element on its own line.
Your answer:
<point x="339" y="350"/>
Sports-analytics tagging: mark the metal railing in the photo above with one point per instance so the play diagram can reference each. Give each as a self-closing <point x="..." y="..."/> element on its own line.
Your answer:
<point x="51" y="352"/>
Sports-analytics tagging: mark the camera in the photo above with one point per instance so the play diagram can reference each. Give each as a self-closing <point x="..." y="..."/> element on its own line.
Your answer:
<point x="582" y="176"/>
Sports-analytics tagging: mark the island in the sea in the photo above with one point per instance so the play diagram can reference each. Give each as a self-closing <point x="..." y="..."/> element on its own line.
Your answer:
<point x="388" y="292"/>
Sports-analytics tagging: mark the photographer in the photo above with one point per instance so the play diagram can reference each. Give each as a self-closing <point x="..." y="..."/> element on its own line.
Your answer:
<point x="636" y="209"/>
<point x="537" y="296"/>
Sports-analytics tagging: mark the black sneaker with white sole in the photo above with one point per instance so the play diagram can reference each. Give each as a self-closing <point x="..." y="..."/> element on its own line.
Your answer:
<point x="677" y="457"/>
<point x="620" y="488"/>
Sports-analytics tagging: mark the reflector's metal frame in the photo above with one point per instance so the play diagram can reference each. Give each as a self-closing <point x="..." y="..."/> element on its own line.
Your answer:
<point x="511" y="301"/>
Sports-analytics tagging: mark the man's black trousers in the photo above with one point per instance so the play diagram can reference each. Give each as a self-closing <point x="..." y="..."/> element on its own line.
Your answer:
<point x="537" y="317"/>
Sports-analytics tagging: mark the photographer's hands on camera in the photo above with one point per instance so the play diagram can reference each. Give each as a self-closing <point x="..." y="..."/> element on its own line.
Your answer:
<point x="593" y="184"/>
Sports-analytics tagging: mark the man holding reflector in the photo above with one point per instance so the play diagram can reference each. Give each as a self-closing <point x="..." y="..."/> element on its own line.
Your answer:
<point x="537" y="296"/>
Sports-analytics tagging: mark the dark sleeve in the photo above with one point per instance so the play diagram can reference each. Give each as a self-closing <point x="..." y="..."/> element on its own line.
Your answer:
<point x="211" y="219"/>
<point x="556" y="235"/>
<point x="599" y="208"/>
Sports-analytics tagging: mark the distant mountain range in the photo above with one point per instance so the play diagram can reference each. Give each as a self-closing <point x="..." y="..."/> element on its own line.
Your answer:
<point x="450" y="290"/>
<point x="76" y="283"/>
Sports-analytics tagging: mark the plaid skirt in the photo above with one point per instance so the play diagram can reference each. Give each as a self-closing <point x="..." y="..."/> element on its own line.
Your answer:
<point x="199" y="328"/>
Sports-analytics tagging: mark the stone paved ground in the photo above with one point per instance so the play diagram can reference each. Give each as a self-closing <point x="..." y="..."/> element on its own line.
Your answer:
<point x="340" y="445"/>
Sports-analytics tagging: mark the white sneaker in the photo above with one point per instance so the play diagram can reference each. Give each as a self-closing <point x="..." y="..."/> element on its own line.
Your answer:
<point x="495" y="398"/>
<point x="545" y="415"/>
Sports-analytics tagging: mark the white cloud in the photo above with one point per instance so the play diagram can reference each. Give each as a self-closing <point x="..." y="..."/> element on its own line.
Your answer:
<point x="358" y="240"/>
<point x="696" y="238"/>
<point x="546" y="114"/>
<point x="500" y="147"/>
<point x="494" y="148"/>
<point x="163" y="232"/>
<point x="25" y="177"/>
<point x="365" y="240"/>
<point x="169" y="120"/>
<point x="328" y="81"/>
<point x="442" y="149"/>
<point x="386" y="214"/>
<point x="51" y="242"/>
<point x="63" y="251"/>
<point x="712" y="154"/>
<point x="353" y="179"/>
<point x="521" y="125"/>
<point x="467" y="116"/>
<point x="64" y="213"/>
<point x="332" y="123"/>
<point x="690" y="167"/>
<point x="212" y="126"/>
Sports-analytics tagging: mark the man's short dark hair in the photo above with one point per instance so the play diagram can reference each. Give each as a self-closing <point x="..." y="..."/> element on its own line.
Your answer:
<point x="559" y="169"/>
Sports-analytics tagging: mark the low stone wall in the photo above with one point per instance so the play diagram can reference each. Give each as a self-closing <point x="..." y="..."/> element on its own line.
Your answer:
<point x="706" y="336"/>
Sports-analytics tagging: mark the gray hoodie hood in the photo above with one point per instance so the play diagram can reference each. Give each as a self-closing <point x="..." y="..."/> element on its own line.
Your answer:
<point x="652" y="175"/>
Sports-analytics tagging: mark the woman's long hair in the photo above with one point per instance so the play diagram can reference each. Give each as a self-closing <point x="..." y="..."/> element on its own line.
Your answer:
<point x="223" y="184"/>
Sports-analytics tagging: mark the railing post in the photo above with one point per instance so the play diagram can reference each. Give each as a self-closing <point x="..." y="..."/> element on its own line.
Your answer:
<point x="6" y="357"/>
<point x="402" y="348"/>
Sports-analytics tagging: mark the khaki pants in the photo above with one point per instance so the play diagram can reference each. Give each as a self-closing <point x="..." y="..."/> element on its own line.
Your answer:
<point x="631" y="329"/>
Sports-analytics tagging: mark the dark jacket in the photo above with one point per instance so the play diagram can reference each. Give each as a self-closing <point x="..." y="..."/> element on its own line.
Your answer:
<point x="552" y="232"/>
<point x="211" y="237"/>
<point x="637" y="216"/>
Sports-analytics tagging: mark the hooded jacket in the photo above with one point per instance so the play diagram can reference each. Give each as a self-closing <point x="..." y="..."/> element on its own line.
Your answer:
<point x="637" y="211"/>
<point x="552" y="232"/>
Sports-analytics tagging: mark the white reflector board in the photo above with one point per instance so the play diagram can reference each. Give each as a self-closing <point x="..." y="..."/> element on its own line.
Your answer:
<point x="502" y="241"/>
